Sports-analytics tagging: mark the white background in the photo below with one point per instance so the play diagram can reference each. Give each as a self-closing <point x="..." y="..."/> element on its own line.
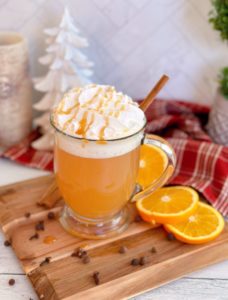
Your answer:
<point x="132" y="42"/>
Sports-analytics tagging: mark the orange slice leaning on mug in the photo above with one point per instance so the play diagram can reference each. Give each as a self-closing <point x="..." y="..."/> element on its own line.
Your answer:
<point x="152" y="164"/>
<point x="168" y="205"/>
<point x="204" y="225"/>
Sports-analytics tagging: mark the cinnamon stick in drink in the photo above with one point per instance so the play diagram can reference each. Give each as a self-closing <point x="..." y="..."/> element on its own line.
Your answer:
<point x="153" y="93"/>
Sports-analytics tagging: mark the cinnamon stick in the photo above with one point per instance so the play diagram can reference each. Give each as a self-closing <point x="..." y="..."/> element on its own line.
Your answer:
<point x="153" y="93"/>
<point x="51" y="196"/>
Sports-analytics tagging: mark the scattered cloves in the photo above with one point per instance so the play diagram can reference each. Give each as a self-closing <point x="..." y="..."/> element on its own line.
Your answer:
<point x="7" y="243"/>
<point x="143" y="260"/>
<point x="80" y="252"/>
<point x="35" y="236"/>
<point x="11" y="281"/>
<point x="86" y="259"/>
<point x="170" y="237"/>
<point x="51" y="215"/>
<point x="27" y="215"/>
<point x="138" y="219"/>
<point x="40" y="226"/>
<point x="74" y="254"/>
<point x="122" y="249"/>
<point x="153" y="250"/>
<point x="46" y="261"/>
<point x="96" y="278"/>
<point x="135" y="262"/>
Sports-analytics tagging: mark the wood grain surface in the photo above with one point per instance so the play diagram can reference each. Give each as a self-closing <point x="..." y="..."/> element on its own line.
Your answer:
<point x="66" y="277"/>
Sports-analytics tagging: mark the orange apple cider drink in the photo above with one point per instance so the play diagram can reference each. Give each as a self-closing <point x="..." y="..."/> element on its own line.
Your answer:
<point x="98" y="133"/>
<point x="96" y="187"/>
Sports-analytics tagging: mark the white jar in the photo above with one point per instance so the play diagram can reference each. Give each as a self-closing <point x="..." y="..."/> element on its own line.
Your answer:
<point x="15" y="89"/>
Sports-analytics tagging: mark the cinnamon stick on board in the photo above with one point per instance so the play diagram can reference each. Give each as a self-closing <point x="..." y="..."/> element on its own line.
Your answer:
<point x="51" y="196"/>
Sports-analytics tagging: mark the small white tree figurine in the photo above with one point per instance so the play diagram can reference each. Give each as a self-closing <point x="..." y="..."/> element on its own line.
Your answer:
<point x="68" y="67"/>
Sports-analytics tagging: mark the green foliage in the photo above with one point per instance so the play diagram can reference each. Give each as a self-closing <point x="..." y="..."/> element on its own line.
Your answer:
<point x="223" y="80"/>
<point x="219" y="17"/>
<point x="219" y="20"/>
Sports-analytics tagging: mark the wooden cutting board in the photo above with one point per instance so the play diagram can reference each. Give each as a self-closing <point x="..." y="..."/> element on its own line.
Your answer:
<point x="66" y="277"/>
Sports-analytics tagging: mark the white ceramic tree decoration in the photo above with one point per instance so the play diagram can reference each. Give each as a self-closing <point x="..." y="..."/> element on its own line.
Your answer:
<point x="68" y="67"/>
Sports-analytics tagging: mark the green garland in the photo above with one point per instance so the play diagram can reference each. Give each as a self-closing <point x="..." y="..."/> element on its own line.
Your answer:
<point x="223" y="80"/>
<point x="219" y="19"/>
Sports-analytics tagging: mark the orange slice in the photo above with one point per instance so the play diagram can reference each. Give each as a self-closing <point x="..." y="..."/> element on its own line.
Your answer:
<point x="204" y="225"/>
<point x="168" y="205"/>
<point x="153" y="162"/>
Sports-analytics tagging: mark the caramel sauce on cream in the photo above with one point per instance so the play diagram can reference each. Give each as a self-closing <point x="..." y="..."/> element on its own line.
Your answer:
<point x="98" y="112"/>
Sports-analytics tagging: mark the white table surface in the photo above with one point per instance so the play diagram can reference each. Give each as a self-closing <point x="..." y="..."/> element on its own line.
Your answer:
<point x="210" y="283"/>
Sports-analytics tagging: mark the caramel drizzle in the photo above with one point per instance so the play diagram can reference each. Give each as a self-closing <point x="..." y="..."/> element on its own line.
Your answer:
<point x="69" y="110"/>
<point x="67" y="123"/>
<point x="116" y="114"/>
<point x="102" y="130"/>
<point x="82" y="124"/>
<point x="111" y="113"/>
<point x="117" y="103"/>
<point x="100" y="104"/>
<point x="60" y="108"/>
<point x="89" y="124"/>
<point x="90" y="101"/>
<point x="106" y="102"/>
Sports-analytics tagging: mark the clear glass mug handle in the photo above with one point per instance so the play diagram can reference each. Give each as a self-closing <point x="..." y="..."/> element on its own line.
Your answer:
<point x="168" y="150"/>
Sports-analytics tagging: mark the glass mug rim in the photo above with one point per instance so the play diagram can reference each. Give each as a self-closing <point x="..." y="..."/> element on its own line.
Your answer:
<point x="95" y="140"/>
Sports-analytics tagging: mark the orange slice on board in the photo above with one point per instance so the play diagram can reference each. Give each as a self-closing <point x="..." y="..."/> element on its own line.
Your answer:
<point x="204" y="225"/>
<point x="153" y="161"/>
<point x="168" y="205"/>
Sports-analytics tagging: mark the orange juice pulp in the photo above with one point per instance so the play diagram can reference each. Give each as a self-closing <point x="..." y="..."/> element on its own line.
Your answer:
<point x="96" y="187"/>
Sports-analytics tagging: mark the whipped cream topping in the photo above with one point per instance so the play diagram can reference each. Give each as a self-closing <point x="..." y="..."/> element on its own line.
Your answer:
<point x="98" y="112"/>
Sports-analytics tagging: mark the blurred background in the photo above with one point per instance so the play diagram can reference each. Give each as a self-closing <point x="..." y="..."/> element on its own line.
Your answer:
<point x="132" y="42"/>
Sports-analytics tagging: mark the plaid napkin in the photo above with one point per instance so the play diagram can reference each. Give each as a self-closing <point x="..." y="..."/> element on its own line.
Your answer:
<point x="200" y="163"/>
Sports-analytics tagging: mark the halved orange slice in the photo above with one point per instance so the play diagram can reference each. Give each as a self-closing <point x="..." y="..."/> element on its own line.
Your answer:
<point x="168" y="205"/>
<point x="153" y="162"/>
<point x="204" y="225"/>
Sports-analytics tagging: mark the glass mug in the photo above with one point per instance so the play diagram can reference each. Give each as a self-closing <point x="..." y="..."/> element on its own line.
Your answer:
<point x="98" y="178"/>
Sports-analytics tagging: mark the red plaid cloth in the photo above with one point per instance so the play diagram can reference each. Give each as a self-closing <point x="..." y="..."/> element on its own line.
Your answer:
<point x="200" y="163"/>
